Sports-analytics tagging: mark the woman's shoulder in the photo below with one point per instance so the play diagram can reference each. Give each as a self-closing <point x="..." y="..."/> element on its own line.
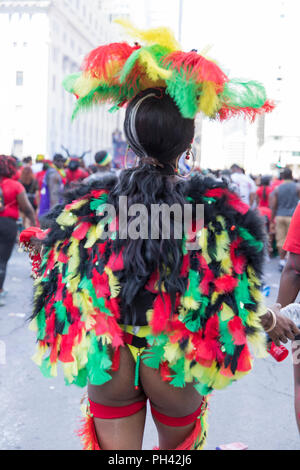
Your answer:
<point x="13" y="185"/>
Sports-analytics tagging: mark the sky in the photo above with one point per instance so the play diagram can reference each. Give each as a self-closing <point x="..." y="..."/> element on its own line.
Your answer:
<point x="248" y="38"/>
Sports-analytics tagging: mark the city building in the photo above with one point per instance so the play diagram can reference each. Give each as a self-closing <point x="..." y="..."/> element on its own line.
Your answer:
<point x="42" y="41"/>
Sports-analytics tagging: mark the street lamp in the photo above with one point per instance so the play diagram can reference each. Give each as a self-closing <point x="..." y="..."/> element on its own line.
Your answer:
<point x="180" y="20"/>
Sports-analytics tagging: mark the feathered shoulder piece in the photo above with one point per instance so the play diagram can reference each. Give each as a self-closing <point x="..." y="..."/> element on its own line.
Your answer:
<point x="205" y="341"/>
<point x="115" y="73"/>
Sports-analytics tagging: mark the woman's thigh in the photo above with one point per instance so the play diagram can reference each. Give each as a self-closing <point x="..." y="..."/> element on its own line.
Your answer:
<point x="119" y="391"/>
<point x="167" y="399"/>
<point x="8" y="233"/>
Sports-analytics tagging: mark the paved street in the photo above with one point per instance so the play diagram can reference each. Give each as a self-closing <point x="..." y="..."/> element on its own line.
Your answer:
<point x="39" y="413"/>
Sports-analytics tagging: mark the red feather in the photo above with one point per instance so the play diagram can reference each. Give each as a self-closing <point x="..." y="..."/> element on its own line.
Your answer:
<point x="244" y="361"/>
<point x="165" y="372"/>
<point x="225" y="284"/>
<point x="161" y="314"/>
<point x="196" y="67"/>
<point x="238" y="261"/>
<point x="235" y="202"/>
<point x="185" y="265"/>
<point x="81" y="231"/>
<point x="115" y="262"/>
<point x="87" y="434"/>
<point x="100" y="284"/>
<point x="237" y="330"/>
<point x="227" y="112"/>
<point x="97" y="62"/>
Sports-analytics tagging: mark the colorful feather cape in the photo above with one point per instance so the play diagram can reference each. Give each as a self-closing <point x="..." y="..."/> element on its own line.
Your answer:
<point x="115" y="73"/>
<point x="77" y="297"/>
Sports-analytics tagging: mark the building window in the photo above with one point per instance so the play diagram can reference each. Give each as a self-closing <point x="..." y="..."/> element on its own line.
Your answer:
<point x="53" y="83"/>
<point x="17" y="149"/>
<point x="19" y="78"/>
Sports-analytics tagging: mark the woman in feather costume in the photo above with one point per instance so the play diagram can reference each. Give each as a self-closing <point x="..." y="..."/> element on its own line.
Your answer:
<point x="149" y="318"/>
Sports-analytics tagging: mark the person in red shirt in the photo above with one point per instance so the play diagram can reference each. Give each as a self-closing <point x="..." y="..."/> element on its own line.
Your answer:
<point x="288" y="292"/>
<point x="12" y="198"/>
<point x="74" y="173"/>
<point x="262" y="193"/>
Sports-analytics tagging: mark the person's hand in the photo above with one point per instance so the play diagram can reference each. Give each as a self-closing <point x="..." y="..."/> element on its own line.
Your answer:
<point x="284" y="329"/>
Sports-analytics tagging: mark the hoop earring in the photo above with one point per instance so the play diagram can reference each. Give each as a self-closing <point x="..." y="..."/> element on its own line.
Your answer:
<point x="125" y="158"/>
<point x="187" y="157"/>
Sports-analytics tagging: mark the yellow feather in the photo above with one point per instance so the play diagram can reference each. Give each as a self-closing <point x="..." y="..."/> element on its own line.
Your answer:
<point x="70" y="370"/>
<point x="73" y="284"/>
<point x="190" y="303"/>
<point x="38" y="356"/>
<point x="209" y="102"/>
<point x="149" y="315"/>
<point x="66" y="219"/>
<point x="226" y="313"/>
<point x="113" y="283"/>
<point x="220" y="381"/>
<point x="74" y="259"/>
<point x="214" y="297"/>
<point x="53" y="370"/>
<point x="33" y="326"/>
<point x="84" y="84"/>
<point x="172" y="352"/>
<point x="162" y="36"/>
<point x="91" y="237"/>
<point x="152" y="69"/>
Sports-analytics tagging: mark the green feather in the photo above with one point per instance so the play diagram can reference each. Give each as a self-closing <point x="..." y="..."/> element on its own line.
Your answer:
<point x="203" y="389"/>
<point x="46" y="368"/>
<point x="250" y="238"/>
<point x="41" y="324"/>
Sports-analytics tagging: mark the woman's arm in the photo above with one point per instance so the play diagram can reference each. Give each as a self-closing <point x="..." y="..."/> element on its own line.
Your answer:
<point x="26" y="207"/>
<point x="284" y="329"/>
<point x="290" y="281"/>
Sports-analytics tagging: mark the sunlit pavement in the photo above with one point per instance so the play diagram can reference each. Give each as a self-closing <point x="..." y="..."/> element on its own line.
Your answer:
<point x="39" y="413"/>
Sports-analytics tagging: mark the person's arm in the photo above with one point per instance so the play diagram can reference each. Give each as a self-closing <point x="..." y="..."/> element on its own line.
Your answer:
<point x="54" y="188"/>
<point x="290" y="280"/>
<point x="285" y="328"/>
<point x="25" y="206"/>
<point x="273" y="202"/>
<point x="296" y="362"/>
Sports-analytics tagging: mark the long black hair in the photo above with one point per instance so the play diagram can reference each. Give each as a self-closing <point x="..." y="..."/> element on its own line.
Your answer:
<point x="163" y="134"/>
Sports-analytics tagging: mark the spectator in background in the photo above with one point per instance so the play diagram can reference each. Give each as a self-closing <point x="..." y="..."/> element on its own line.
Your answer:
<point x="12" y="199"/>
<point x="38" y="166"/>
<point x="246" y="187"/>
<point x="31" y="186"/>
<point x="103" y="163"/>
<point x="74" y="173"/>
<point x="53" y="185"/>
<point x="283" y="202"/>
<point x="263" y="192"/>
<point x="288" y="291"/>
<point x="27" y="161"/>
<point x="41" y="174"/>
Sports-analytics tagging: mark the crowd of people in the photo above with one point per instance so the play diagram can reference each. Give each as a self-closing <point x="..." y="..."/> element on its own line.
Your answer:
<point x="274" y="196"/>
<point x="29" y="190"/>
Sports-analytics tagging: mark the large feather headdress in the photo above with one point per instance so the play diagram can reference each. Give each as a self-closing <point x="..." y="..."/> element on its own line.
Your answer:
<point x="117" y="72"/>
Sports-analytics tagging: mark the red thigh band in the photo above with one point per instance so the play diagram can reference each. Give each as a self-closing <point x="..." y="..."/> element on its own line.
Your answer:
<point x="114" y="412"/>
<point x="176" y="422"/>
